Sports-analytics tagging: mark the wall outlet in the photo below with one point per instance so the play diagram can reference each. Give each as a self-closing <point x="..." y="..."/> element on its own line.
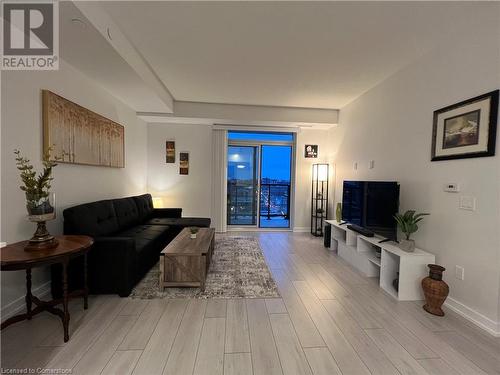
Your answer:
<point x="371" y="164"/>
<point x="467" y="202"/>
<point x="459" y="272"/>
<point x="451" y="187"/>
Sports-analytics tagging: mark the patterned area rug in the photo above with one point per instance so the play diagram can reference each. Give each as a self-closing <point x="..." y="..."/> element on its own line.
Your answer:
<point x="238" y="270"/>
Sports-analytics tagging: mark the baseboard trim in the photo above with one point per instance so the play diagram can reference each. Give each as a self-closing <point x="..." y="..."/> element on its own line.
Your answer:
<point x="483" y="322"/>
<point x="16" y="306"/>
<point x="255" y="229"/>
<point x="301" y="229"/>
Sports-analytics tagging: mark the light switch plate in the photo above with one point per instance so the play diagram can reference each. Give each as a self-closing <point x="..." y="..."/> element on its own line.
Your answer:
<point x="355" y="165"/>
<point x="467" y="202"/>
<point x="371" y="164"/>
<point x="459" y="272"/>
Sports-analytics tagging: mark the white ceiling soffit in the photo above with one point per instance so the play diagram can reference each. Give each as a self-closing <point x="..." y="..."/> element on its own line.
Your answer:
<point x="83" y="47"/>
<point x="113" y="35"/>
<point x="234" y="114"/>
<point x="153" y="118"/>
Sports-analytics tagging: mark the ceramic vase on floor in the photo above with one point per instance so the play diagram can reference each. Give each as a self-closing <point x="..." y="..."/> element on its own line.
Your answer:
<point x="435" y="290"/>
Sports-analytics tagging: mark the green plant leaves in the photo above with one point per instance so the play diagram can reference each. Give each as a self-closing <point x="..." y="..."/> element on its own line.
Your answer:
<point x="407" y="222"/>
<point x="35" y="187"/>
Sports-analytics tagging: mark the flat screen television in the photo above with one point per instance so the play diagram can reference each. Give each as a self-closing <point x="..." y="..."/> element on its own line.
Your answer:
<point x="371" y="205"/>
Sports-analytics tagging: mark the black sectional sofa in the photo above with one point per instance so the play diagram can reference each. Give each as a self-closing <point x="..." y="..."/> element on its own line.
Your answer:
<point x="129" y="235"/>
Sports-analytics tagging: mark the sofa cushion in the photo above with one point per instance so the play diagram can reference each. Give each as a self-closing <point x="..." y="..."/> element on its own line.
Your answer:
<point x="144" y="205"/>
<point x="92" y="219"/>
<point x="147" y="236"/>
<point x="126" y="212"/>
<point x="181" y="222"/>
<point x="148" y="232"/>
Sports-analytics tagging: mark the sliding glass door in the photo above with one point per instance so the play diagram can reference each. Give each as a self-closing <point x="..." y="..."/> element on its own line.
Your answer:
<point x="242" y="185"/>
<point x="275" y="186"/>
<point x="259" y="182"/>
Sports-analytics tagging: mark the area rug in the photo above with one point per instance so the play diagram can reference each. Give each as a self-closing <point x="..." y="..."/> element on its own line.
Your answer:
<point x="238" y="270"/>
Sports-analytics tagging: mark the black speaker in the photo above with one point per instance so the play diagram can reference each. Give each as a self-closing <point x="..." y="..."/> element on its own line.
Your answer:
<point x="328" y="235"/>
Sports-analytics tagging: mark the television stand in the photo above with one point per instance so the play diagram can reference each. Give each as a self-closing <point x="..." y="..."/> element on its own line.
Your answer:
<point x="387" y="240"/>
<point x="382" y="258"/>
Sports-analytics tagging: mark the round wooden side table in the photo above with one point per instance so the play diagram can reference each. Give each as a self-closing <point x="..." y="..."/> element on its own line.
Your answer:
<point x="14" y="258"/>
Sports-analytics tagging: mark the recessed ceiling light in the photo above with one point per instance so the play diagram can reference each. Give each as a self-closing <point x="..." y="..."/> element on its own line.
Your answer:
<point x="78" y="22"/>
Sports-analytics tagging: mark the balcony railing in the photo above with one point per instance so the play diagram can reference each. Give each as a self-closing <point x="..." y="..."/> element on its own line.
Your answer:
<point x="242" y="205"/>
<point x="275" y="200"/>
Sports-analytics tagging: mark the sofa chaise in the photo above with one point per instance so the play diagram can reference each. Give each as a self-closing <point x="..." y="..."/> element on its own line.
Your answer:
<point x="129" y="234"/>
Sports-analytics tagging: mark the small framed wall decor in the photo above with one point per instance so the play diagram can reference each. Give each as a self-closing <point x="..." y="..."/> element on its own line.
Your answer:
<point x="184" y="163"/>
<point x="311" y="151"/>
<point x="170" y="152"/>
<point x="466" y="129"/>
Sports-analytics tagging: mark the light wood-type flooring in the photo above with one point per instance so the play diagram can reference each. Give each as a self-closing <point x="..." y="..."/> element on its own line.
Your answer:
<point x="329" y="320"/>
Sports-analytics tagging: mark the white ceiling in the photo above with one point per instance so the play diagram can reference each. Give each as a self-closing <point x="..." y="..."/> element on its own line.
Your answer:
<point x="299" y="54"/>
<point x="83" y="47"/>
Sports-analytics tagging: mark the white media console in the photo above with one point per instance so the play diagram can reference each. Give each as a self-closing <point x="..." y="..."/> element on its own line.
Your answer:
<point x="360" y="251"/>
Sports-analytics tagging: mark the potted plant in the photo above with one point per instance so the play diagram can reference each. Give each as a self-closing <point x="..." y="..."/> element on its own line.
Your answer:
<point x="40" y="202"/>
<point x="407" y="222"/>
<point x="194" y="232"/>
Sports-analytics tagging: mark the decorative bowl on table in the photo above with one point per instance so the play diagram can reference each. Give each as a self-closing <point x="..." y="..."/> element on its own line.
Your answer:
<point x="41" y="208"/>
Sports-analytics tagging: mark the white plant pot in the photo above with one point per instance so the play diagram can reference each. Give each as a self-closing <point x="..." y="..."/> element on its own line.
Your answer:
<point x="192" y="235"/>
<point x="407" y="245"/>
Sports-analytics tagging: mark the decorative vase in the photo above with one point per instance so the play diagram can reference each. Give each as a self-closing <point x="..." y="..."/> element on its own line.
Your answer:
<point x="41" y="208"/>
<point x="338" y="212"/>
<point x="435" y="290"/>
<point x="407" y="245"/>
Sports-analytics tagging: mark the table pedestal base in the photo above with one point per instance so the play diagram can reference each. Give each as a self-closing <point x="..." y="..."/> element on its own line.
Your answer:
<point x="49" y="305"/>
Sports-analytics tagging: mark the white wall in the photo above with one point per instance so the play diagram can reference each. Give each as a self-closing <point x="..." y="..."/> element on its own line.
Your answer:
<point x="73" y="184"/>
<point x="193" y="192"/>
<point x="392" y="124"/>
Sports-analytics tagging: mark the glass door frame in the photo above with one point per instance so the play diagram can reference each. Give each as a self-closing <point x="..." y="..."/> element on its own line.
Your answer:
<point x="257" y="166"/>
<point x="258" y="145"/>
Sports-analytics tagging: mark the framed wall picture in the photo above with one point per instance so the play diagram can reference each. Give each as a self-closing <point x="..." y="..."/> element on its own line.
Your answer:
<point x="80" y="135"/>
<point x="184" y="163"/>
<point x="311" y="151"/>
<point x="170" y="152"/>
<point x="466" y="129"/>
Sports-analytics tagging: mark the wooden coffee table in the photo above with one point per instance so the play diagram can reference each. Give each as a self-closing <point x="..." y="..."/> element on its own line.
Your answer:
<point x="14" y="258"/>
<point x="185" y="261"/>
